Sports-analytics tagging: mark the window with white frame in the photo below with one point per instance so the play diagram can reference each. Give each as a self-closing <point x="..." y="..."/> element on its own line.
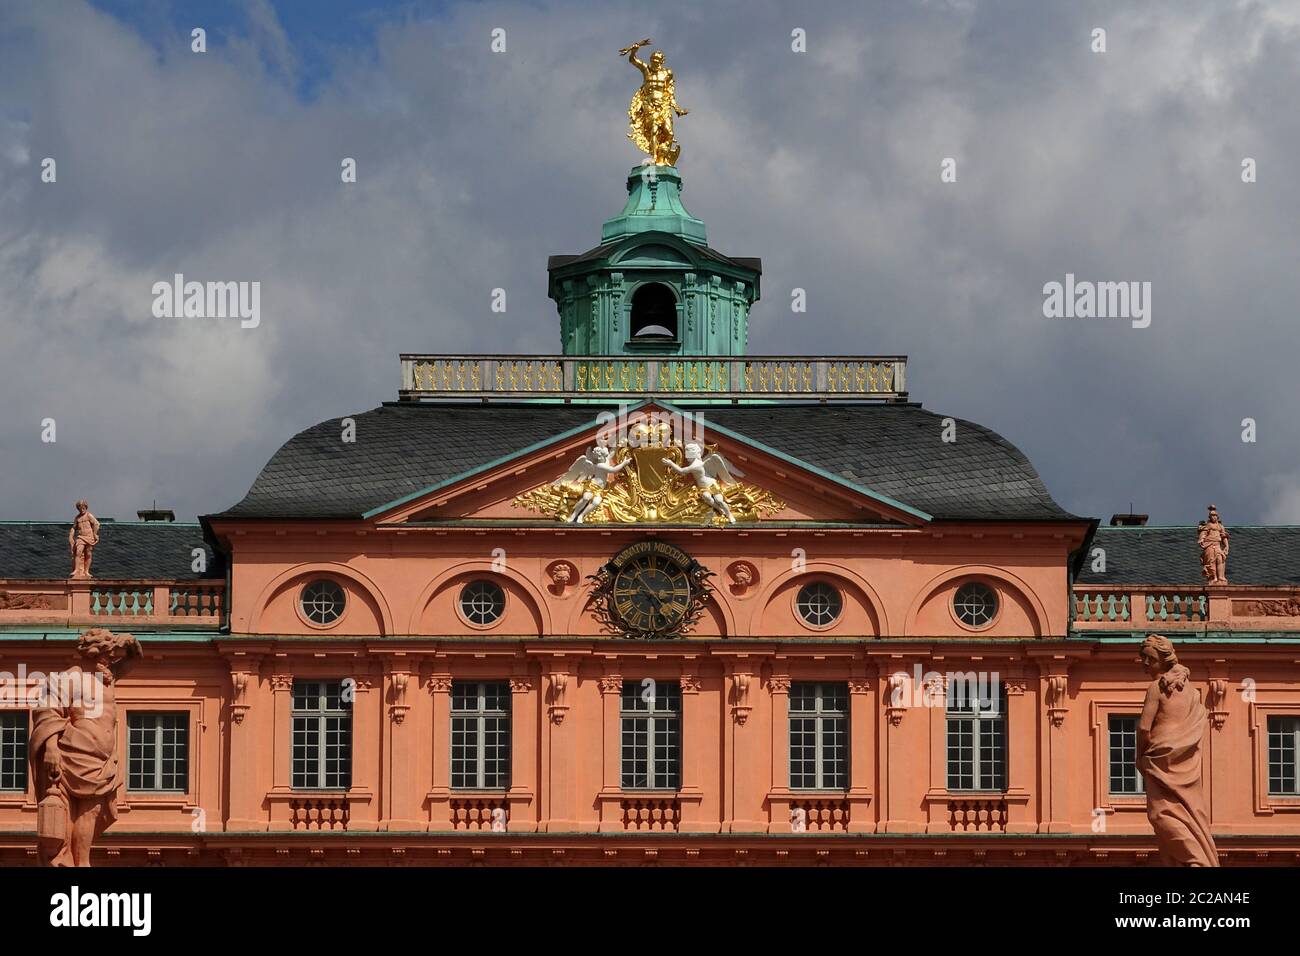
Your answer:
<point x="1283" y="746"/>
<point x="819" y="736"/>
<point x="13" y="750"/>
<point x="480" y="735"/>
<point x="977" y="740"/>
<point x="157" y="753"/>
<point x="322" y="735"/>
<point x="1124" y="777"/>
<point x="651" y="735"/>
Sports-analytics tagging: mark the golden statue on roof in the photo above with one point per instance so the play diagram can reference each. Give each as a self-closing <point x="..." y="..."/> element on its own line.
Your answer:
<point x="653" y="107"/>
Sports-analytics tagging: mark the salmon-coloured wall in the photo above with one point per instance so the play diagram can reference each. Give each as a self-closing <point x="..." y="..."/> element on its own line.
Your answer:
<point x="735" y="753"/>
<point x="406" y="581"/>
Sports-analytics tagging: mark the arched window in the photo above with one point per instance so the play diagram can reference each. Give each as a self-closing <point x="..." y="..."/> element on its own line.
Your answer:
<point x="654" y="313"/>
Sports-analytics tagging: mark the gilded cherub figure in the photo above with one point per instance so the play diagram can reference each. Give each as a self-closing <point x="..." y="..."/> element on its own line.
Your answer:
<point x="653" y="107"/>
<point x="711" y="475"/>
<point x="592" y="472"/>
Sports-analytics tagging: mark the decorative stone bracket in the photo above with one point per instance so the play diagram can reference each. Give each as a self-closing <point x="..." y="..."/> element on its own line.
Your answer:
<point x="1057" y="686"/>
<point x="239" y="705"/>
<point x="558" y="686"/>
<point x="399" y="708"/>
<point x="741" y="708"/>
<point x="895" y="697"/>
<point x="1218" y="700"/>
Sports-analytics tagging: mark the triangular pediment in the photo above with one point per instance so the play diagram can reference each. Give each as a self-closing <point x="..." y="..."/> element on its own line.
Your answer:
<point x="642" y="467"/>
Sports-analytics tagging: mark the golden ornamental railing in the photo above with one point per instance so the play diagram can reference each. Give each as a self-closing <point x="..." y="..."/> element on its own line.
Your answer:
<point x="849" y="377"/>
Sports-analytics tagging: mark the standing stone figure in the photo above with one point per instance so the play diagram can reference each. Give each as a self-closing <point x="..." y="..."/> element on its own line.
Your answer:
<point x="1169" y="758"/>
<point x="1212" y="536"/>
<point x="82" y="538"/>
<point x="74" y="750"/>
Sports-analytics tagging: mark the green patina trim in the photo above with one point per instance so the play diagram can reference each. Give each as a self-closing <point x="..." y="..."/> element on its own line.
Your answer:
<point x="820" y="472"/>
<point x="1191" y="527"/>
<point x="208" y="637"/>
<point x="668" y="406"/>
<point x="495" y="463"/>
<point x="1213" y="637"/>
<point x="147" y="637"/>
<point x="114" y="522"/>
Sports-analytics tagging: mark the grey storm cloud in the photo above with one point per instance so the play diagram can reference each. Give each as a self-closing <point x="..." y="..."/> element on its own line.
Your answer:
<point x="473" y="166"/>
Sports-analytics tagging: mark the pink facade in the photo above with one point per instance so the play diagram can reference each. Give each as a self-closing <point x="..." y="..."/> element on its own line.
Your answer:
<point x="1065" y="663"/>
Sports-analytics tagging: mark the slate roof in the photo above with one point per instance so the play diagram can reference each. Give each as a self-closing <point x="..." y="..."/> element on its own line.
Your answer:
<point x="1262" y="556"/>
<point x="892" y="449"/>
<point x="126" y="550"/>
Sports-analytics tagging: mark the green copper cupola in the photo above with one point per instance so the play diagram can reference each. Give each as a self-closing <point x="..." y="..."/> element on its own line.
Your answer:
<point x="653" y="286"/>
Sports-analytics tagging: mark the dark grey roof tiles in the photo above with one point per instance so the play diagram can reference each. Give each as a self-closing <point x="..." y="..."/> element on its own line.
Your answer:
<point x="898" y="451"/>
<point x="126" y="551"/>
<point x="1265" y="557"/>
<point x="894" y="450"/>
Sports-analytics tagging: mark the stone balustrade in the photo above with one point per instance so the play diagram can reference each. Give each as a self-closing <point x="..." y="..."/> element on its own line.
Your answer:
<point x="77" y="602"/>
<point x="617" y="377"/>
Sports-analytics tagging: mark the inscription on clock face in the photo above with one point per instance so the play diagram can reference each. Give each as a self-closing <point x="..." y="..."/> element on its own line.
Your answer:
<point x="651" y="592"/>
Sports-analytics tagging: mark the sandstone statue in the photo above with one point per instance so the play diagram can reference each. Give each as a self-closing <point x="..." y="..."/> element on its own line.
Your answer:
<point x="74" y="749"/>
<point x="82" y="538"/>
<point x="1169" y="738"/>
<point x="1212" y="537"/>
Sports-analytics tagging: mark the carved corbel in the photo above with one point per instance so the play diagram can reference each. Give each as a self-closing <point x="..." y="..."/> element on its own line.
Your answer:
<point x="740" y="693"/>
<point x="1057" y="687"/>
<point x="399" y="708"/>
<point x="558" y="692"/>
<point x="1218" y="702"/>
<point x="239" y="706"/>
<point x="895" y="697"/>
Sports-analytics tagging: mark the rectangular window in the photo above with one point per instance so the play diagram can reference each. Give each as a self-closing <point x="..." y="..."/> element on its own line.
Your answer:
<point x="13" y="750"/>
<point x="1283" y="746"/>
<point x="1124" y="776"/>
<point x="819" y="736"/>
<point x="651" y="735"/>
<point x="158" y="752"/>
<point x="977" y="740"/>
<point x="322" y="735"/>
<point x="480" y="735"/>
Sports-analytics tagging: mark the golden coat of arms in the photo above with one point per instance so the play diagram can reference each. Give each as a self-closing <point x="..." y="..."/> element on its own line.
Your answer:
<point x="651" y="479"/>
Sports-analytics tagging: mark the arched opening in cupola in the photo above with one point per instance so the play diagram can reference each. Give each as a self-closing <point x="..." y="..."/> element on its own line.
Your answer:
<point x="654" y="313"/>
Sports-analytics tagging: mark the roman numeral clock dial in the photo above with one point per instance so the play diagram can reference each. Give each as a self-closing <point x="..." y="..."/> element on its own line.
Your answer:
<point x="651" y="589"/>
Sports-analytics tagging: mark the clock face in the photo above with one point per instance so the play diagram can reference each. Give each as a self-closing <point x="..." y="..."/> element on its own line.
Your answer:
<point x="651" y="593"/>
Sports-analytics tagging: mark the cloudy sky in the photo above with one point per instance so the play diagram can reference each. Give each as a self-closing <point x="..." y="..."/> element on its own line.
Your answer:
<point x="473" y="166"/>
